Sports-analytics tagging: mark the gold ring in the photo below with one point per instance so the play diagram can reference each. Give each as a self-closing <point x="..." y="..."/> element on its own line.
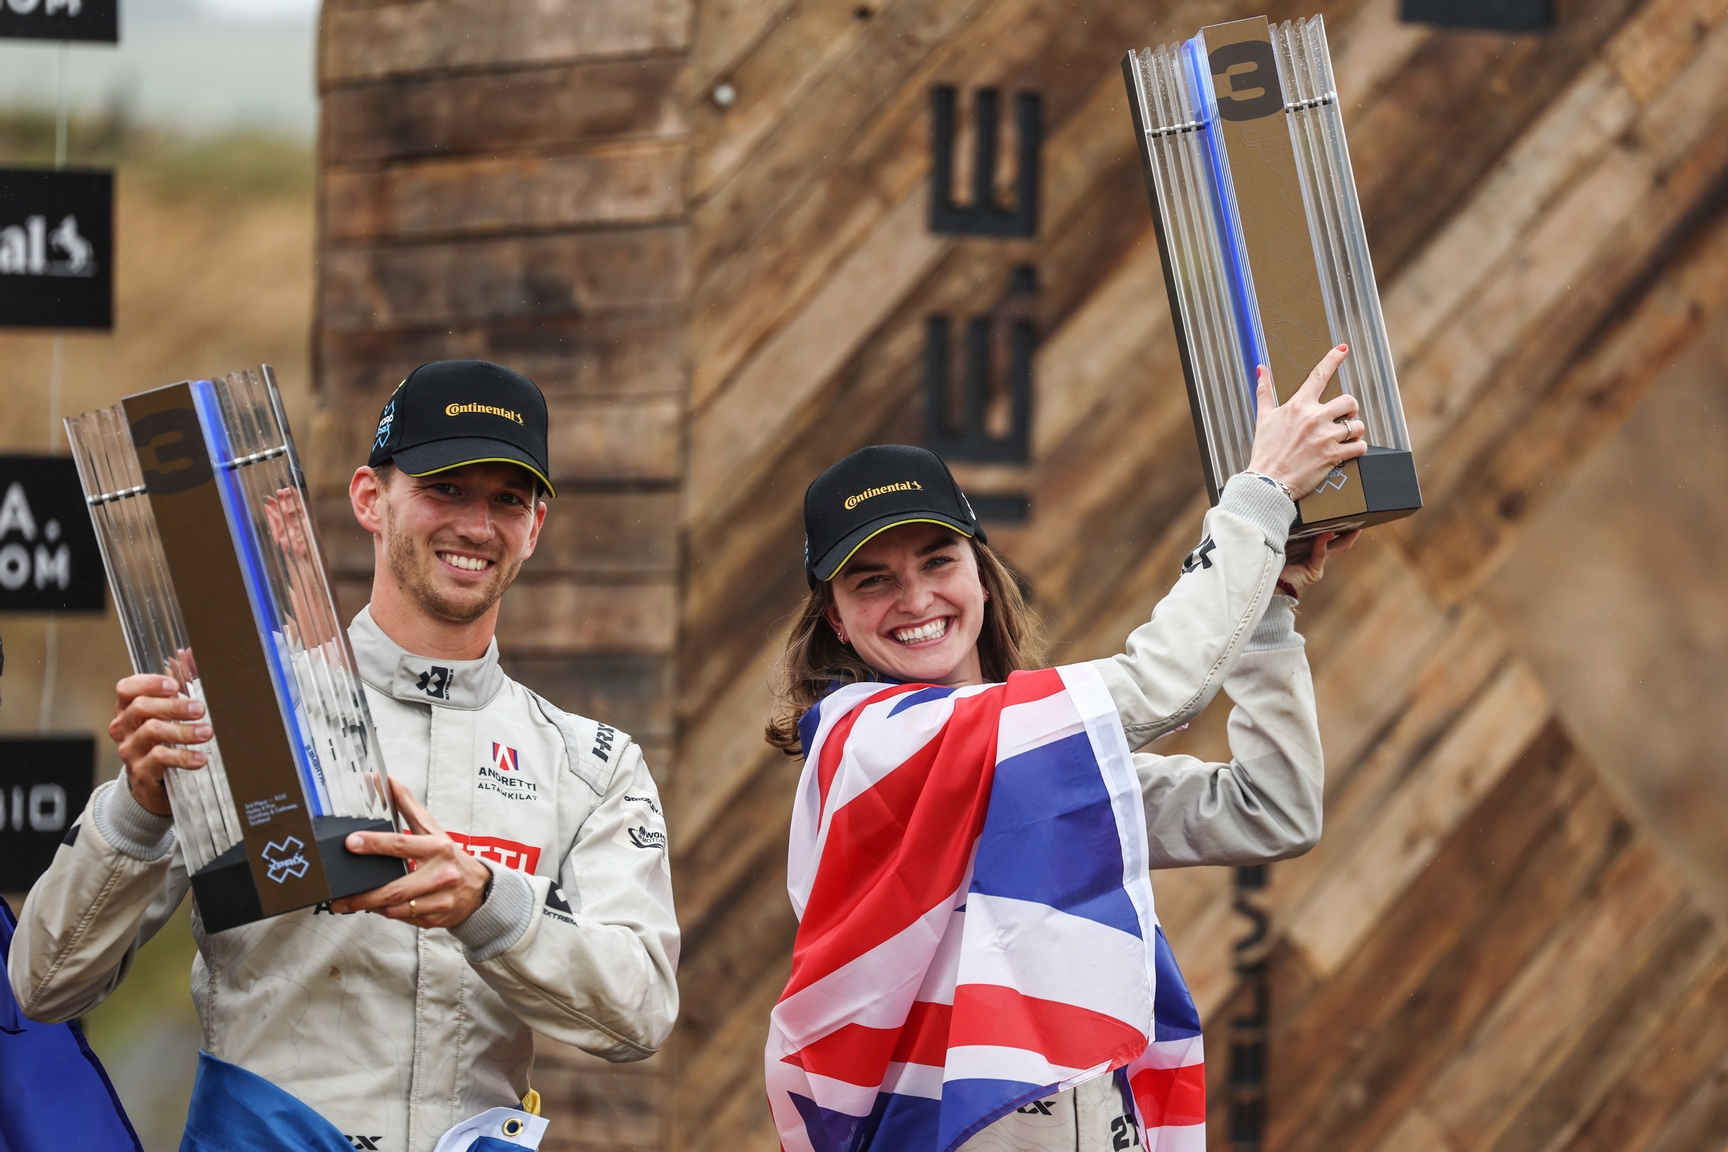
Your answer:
<point x="411" y="910"/>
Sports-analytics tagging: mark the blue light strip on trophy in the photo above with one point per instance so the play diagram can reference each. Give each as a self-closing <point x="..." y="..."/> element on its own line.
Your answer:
<point x="1177" y="104"/>
<point x="258" y="593"/>
<point x="1227" y="217"/>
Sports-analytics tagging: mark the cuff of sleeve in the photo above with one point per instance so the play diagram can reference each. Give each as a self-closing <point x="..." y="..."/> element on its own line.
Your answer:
<point x="1261" y="504"/>
<point x="1277" y="628"/>
<point x="497" y="924"/>
<point x="130" y="828"/>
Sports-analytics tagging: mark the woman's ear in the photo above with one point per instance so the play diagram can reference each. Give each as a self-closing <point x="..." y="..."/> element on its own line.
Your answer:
<point x="832" y="615"/>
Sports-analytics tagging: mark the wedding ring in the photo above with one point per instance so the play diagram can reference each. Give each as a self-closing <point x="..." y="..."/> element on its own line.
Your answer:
<point x="411" y="910"/>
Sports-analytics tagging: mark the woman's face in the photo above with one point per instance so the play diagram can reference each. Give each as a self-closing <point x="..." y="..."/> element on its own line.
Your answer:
<point x="910" y="602"/>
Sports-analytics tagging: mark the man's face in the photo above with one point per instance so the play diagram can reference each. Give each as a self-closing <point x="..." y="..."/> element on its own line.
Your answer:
<point x="454" y="541"/>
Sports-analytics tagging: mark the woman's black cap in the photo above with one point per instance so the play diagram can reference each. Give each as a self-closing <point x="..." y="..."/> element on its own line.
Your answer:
<point x="451" y="413"/>
<point x="871" y="491"/>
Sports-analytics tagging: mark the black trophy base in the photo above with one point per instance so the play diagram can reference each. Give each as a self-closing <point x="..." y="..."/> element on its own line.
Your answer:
<point x="227" y="899"/>
<point x="1388" y="485"/>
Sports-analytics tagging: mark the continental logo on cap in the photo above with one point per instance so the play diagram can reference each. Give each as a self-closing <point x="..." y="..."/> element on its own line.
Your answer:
<point x="463" y="409"/>
<point x="904" y="486"/>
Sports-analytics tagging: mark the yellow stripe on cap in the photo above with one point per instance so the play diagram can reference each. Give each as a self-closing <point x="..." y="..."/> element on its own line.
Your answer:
<point x="541" y="476"/>
<point x="896" y="524"/>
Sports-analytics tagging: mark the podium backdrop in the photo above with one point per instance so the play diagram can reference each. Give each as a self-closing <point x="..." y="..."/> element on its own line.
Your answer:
<point x="706" y="228"/>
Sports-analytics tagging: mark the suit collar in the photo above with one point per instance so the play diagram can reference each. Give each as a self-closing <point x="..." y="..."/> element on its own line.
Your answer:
<point x="391" y="669"/>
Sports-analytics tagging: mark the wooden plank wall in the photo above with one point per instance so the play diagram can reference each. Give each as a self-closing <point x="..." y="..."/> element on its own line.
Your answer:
<point x="1484" y="952"/>
<point x="505" y="181"/>
<point x="723" y="298"/>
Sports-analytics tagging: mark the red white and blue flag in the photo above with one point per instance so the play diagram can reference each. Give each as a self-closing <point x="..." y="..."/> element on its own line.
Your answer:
<point x="503" y="757"/>
<point x="976" y="930"/>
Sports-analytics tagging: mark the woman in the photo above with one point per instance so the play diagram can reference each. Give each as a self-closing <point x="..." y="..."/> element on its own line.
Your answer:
<point x="971" y="839"/>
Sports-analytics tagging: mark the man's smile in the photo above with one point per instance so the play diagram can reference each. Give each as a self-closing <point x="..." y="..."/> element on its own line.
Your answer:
<point x="465" y="562"/>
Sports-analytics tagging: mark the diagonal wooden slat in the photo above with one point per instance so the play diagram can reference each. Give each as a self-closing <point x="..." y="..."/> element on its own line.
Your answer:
<point x="1345" y="1066"/>
<point x="1502" y="487"/>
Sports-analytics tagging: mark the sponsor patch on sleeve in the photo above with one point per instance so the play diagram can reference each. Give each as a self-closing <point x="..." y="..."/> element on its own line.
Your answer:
<point x="557" y="905"/>
<point x="638" y="834"/>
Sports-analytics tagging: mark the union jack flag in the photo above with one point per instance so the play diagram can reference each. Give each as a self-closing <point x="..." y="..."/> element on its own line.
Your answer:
<point x="976" y="928"/>
<point x="504" y="758"/>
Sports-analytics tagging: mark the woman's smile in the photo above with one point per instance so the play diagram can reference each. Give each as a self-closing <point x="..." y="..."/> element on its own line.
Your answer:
<point x="918" y="635"/>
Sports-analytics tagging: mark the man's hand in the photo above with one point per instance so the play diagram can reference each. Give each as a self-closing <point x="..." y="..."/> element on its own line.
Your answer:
<point x="150" y="718"/>
<point x="1301" y="440"/>
<point x="446" y="885"/>
<point x="1301" y="574"/>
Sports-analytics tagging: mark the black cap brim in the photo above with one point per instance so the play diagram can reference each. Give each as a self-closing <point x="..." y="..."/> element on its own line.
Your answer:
<point x="445" y="455"/>
<point x="831" y="561"/>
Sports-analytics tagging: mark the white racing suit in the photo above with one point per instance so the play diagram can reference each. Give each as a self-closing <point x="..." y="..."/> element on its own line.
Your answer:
<point x="393" y="1033"/>
<point x="1222" y="626"/>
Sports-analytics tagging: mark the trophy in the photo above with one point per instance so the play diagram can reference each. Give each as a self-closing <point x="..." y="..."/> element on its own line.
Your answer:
<point x="204" y="522"/>
<point x="1265" y="257"/>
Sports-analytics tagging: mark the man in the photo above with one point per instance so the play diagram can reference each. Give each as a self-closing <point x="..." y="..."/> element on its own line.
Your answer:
<point x="546" y="906"/>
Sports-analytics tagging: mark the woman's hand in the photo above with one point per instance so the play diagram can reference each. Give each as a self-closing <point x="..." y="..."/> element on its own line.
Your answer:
<point x="1300" y="441"/>
<point x="1300" y="574"/>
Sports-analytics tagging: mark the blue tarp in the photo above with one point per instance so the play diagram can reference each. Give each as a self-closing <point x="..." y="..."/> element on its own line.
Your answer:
<point x="54" y="1095"/>
<point x="234" y="1110"/>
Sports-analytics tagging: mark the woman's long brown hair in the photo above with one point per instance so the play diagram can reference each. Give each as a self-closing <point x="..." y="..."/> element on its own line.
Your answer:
<point x="815" y="659"/>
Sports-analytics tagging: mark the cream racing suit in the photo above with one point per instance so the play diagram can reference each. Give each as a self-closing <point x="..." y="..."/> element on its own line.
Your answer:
<point x="1221" y="626"/>
<point x="394" y="1033"/>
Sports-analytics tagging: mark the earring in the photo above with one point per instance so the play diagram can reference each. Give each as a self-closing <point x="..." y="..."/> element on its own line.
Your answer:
<point x="839" y="635"/>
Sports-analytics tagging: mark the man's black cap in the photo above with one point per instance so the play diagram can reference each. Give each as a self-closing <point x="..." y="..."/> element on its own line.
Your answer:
<point x="454" y="412"/>
<point x="871" y="491"/>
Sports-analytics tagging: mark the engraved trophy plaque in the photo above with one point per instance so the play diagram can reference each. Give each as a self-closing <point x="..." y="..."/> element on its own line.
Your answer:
<point x="205" y="525"/>
<point x="1265" y="256"/>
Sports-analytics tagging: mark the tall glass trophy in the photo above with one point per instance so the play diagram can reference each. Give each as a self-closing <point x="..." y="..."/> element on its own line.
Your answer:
<point x="1265" y="256"/>
<point x="204" y="521"/>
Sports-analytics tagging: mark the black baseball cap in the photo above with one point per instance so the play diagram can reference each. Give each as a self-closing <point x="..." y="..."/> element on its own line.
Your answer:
<point x="871" y="491"/>
<point x="450" y="413"/>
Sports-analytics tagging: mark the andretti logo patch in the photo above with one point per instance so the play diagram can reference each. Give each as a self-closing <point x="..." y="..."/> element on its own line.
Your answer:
<point x="510" y="785"/>
<point x="521" y="857"/>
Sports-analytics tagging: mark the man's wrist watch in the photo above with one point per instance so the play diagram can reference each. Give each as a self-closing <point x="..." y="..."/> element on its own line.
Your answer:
<point x="486" y="889"/>
<point x="1278" y="484"/>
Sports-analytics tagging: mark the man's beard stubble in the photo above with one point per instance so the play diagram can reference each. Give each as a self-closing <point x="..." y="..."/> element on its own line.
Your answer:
<point x="412" y="571"/>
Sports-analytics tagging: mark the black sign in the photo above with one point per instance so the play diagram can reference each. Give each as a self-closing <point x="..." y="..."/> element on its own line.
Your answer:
<point x="958" y="431"/>
<point x="49" y="560"/>
<point x="56" y="247"/>
<point x="984" y="216"/>
<point x="44" y="785"/>
<point x="97" y="20"/>
<point x="1483" y="15"/>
